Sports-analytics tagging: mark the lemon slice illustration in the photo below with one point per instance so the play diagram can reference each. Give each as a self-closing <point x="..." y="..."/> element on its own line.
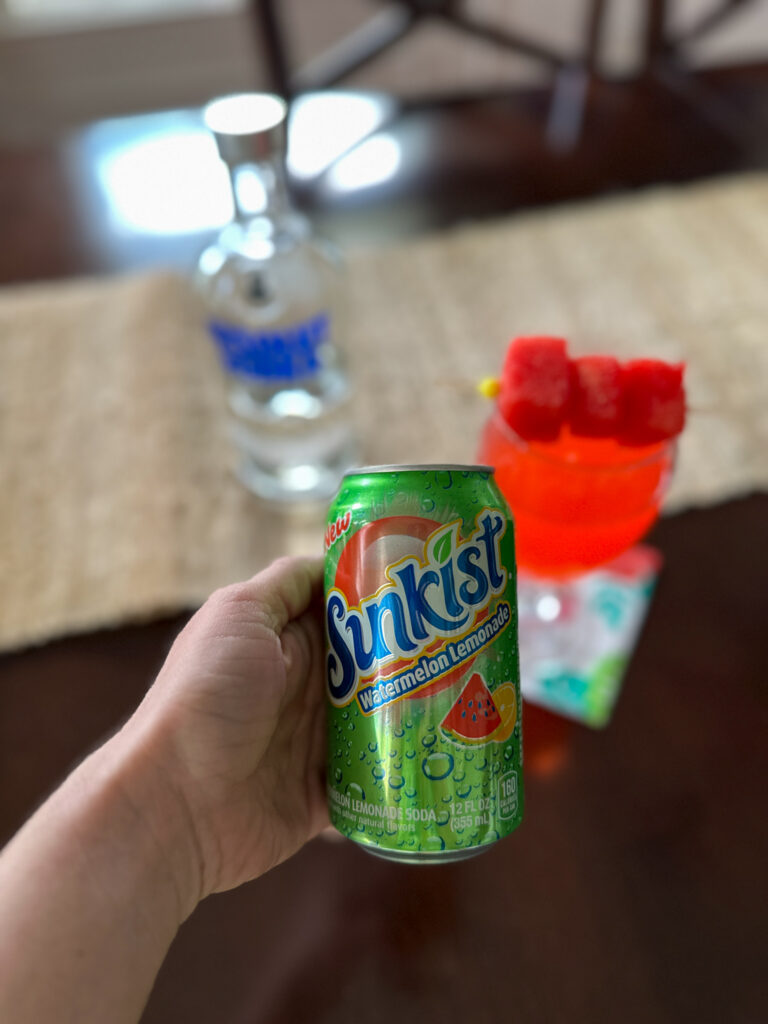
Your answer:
<point x="505" y="699"/>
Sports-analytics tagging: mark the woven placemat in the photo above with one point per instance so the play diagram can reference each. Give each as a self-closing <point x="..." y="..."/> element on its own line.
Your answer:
<point x="117" y="500"/>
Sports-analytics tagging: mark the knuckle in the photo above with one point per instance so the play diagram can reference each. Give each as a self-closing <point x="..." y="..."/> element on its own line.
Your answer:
<point x="234" y="601"/>
<point x="284" y="564"/>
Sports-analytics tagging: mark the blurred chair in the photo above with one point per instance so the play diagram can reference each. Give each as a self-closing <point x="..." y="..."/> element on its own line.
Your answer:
<point x="666" y="62"/>
<point x="660" y="44"/>
<point x="664" y="58"/>
<point x="396" y="19"/>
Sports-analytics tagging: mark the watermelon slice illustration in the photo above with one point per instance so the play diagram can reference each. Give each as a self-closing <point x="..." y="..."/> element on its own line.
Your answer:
<point x="474" y="717"/>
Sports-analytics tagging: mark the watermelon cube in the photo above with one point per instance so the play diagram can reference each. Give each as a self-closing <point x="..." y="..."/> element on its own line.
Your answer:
<point x="535" y="384"/>
<point x="596" y="396"/>
<point x="654" y="401"/>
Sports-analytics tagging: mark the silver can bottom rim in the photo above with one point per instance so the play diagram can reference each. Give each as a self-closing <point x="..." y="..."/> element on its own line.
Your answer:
<point x="443" y="857"/>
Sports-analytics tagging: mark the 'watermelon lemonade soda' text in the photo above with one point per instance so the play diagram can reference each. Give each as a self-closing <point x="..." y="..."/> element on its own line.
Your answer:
<point x="424" y="731"/>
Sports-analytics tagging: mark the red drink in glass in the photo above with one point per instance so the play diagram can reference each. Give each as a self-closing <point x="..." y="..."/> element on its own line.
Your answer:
<point x="577" y="503"/>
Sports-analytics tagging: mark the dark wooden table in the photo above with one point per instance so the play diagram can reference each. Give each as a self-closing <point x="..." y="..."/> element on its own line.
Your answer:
<point x="636" y="888"/>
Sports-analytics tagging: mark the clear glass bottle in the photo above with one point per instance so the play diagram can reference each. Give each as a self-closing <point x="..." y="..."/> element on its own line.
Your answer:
<point x="271" y="291"/>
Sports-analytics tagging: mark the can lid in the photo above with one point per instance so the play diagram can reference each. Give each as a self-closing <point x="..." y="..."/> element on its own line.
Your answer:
<point x="247" y="126"/>
<point x="421" y="467"/>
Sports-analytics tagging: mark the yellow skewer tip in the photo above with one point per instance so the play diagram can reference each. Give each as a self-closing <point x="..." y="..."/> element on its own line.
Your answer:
<point x="489" y="387"/>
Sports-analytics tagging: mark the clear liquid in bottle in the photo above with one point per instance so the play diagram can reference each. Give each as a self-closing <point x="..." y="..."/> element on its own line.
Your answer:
<point x="271" y="290"/>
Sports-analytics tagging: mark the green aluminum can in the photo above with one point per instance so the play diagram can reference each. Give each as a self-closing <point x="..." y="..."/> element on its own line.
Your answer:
<point x="424" y="731"/>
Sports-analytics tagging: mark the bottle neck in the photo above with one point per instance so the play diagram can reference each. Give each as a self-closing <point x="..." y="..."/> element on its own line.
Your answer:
<point x="260" y="190"/>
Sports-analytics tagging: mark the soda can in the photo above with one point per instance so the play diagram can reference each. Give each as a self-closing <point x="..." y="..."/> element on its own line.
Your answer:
<point x="424" y="724"/>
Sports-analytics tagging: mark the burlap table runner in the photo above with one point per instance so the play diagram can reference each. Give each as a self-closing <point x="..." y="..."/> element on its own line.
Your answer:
<point x="117" y="502"/>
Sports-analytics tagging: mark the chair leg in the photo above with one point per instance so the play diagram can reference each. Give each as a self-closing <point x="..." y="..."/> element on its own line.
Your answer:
<point x="271" y="38"/>
<point x="570" y="93"/>
<point x="654" y="34"/>
<point x="373" y="38"/>
<point x="567" y="107"/>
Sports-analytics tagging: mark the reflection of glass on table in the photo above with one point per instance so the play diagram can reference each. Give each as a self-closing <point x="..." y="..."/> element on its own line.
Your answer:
<point x="577" y="503"/>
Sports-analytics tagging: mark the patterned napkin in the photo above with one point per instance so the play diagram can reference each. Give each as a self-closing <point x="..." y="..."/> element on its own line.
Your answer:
<point x="576" y="642"/>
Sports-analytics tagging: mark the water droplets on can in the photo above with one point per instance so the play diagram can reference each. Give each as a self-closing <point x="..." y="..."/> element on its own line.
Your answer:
<point x="434" y="844"/>
<point x="412" y="803"/>
<point x="437" y="766"/>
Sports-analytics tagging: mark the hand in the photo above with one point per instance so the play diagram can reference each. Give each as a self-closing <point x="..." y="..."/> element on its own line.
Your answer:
<point x="234" y="724"/>
<point x="216" y="778"/>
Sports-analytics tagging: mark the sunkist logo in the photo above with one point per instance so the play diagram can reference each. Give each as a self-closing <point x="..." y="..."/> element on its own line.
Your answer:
<point x="439" y="596"/>
<point x="335" y="530"/>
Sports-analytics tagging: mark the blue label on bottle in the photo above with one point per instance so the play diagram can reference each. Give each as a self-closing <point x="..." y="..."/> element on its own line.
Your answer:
<point x="285" y="353"/>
